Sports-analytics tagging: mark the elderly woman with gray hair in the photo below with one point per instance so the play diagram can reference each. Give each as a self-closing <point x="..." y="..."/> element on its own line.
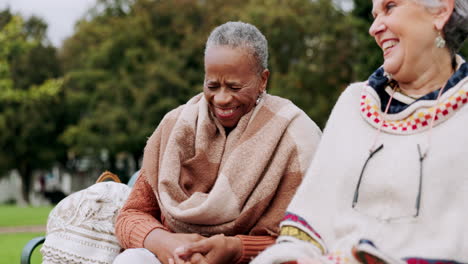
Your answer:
<point x="389" y="181"/>
<point x="219" y="171"/>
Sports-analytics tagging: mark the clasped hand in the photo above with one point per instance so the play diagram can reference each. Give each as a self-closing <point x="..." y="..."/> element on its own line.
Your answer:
<point x="217" y="249"/>
<point x="178" y="248"/>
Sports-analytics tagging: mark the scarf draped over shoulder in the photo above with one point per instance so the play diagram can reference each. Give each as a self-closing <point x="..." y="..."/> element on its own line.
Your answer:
<point x="208" y="182"/>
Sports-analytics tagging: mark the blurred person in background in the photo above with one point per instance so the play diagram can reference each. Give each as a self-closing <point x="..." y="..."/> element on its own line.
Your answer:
<point x="219" y="171"/>
<point x="389" y="181"/>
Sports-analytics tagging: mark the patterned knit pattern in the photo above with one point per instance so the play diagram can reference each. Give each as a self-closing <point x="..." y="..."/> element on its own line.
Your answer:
<point x="338" y="257"/>
<point x="299" y="220"/>
<point x="430" y="261"/>
<point x="297" y="227"/>
<point x="420" y="119"/>
<point x="209" y="183"/>
<point x="80" y="229"/>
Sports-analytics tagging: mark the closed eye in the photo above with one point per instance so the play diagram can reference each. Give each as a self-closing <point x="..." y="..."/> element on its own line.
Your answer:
<point x="212" y="85"/>
<point x="389" y="6"/>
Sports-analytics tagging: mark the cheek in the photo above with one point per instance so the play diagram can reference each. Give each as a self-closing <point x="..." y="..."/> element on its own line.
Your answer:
<point x="207" y="93"/>
<point x="249" y="99"/>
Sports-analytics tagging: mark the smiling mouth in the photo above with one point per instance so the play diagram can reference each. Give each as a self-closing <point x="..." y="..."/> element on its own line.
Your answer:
<point x="225" y="112"/>
<point x="388" y="45"/>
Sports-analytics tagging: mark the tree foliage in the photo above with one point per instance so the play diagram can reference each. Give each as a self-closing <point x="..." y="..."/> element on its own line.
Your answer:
<point x="129" y="62"/>
<point x="29" y="99"/>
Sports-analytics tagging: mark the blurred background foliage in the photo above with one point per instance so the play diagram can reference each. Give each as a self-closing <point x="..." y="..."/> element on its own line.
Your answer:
<point x="131" y="61"/>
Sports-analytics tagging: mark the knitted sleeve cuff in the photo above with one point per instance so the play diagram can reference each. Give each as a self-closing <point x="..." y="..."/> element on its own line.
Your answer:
<point x="141" y="231"/>
<point x="253" y="245"/>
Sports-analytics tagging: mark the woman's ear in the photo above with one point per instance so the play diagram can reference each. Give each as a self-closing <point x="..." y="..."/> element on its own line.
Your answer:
<point x="265" y="74"/>
<point x="443" y="13"/>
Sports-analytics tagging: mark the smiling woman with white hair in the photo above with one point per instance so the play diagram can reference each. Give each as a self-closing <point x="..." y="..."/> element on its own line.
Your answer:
<point x="219" y="171"/>
<point x="389" y="182"/>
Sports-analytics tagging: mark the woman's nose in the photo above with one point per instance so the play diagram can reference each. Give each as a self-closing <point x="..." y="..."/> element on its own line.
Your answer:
<point x="222" y="97"/>
<point x="376" y="27"/>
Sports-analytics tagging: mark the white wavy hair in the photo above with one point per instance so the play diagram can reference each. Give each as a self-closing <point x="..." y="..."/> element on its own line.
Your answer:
<point x="456" y="29"/>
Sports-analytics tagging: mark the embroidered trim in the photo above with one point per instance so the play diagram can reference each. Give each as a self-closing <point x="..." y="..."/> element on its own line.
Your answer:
<point x="379" y="81"/>
<point x="365" y="257"/>
<point x="295" y="232"/>
<point x="297" y="219"/>
<point x="97" y="239"/>
<point x="430" y="261"/>
<point x="58" y="256"/>
<point x="338" y="257"/>
<point x="367" y="253"/>
<point x="419" y="120"/>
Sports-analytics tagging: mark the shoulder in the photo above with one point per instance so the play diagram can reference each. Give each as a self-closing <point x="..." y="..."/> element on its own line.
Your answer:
<point x="288" y="110"/>
<point x="346" y="108"/>
<point x="174" y="114"/>
<point x="274" y="99"/>
<point x="464" y="81"/>
<point x="353" y="91"/>
<point x="284" y="107"/>
<point x="169" y="120"/>
<point x="301" y="129"/>
<point x="276" y="103"/>
<point x="349" y="98"/>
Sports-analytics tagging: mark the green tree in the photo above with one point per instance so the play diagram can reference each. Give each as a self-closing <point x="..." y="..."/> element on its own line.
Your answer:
<point x="29" y="100"/>
<point x="127" y="68"/>
<point x="363" y="10"/>
<point x="312" y="51"/>
<point x="123" y="78"/>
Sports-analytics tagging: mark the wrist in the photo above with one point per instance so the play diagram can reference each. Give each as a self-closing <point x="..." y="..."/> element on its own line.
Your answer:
<point x="155" y="237"/>
<point x="235" y="246"/>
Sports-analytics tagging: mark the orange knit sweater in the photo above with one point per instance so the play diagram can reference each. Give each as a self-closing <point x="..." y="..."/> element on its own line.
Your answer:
<point x="141" y="215"/>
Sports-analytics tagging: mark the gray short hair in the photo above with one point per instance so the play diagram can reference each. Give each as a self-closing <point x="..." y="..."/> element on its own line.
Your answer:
<point x="456" y="29"/>
<point x="241" y="35"/>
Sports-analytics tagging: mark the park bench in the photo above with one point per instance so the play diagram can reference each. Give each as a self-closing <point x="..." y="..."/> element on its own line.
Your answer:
<point x="29" y="248"/>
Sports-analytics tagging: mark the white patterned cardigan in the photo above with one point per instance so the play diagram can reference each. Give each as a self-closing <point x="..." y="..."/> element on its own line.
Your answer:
<point x="80" y="229"/>
<point x="384" y="226"/>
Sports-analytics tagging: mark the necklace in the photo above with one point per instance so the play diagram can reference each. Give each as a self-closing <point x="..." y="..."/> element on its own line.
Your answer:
<point x="414" y="97"/>
<point x="396" y="87"/>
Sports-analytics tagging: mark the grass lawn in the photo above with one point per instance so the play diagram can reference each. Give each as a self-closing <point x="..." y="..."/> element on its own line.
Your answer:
<point x="23" y="216"/>
<point x="11" y="244"/>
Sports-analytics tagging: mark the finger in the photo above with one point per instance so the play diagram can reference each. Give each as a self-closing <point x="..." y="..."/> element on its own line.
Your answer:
<point x="182" y="252"/>
<point x="196" y="237"/>
<point x="203" y="246"/>
<point x="198" y="258"/>
<point x="180" y="255"/>
<point x="176" y="260"/>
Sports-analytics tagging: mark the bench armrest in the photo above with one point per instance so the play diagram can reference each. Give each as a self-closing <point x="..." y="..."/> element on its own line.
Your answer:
<point x="29" y="249"/>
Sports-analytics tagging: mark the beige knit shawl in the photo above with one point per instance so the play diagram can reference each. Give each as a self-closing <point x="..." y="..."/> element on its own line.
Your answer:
<point x="208" y="183"/>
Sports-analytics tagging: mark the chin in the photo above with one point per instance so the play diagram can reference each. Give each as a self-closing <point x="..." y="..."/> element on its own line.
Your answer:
<point x="390" y="67"/>
<point x="228" y="125"/>
<point x="393" y="64"/>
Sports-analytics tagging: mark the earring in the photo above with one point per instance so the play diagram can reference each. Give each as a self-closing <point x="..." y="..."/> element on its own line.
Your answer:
<point x="440" y="41"/>
<point x="260" y="97"/>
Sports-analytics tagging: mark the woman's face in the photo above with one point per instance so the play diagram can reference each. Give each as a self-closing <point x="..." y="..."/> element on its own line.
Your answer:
<point x="405" y="31"/>
<point x="232" y="84"/>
